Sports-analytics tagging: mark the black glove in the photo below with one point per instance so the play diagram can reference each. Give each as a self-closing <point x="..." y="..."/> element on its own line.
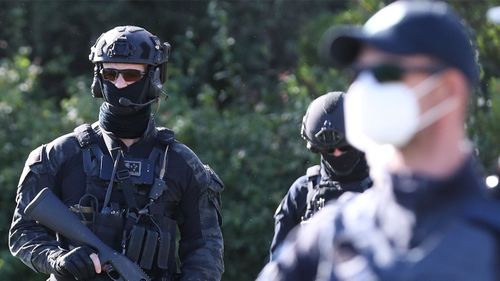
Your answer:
<point x="76" y="263"/>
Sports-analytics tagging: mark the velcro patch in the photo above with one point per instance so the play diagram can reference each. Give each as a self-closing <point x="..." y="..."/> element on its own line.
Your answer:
<point x="134" y="167"/>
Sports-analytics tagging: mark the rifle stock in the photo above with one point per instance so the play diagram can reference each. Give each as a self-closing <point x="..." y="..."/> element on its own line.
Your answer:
<point x="49" y="211"/>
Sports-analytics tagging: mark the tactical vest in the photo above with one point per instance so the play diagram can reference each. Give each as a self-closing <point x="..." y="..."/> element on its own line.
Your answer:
<point x="320" y="191"/>
<point x="128" y="204"/>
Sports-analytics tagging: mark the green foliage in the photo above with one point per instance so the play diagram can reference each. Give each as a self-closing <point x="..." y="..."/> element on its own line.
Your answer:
<point x="486" y="131"/>
<point x="257" y="155"/>
<point x="21" y="120"/>
<point x="241" y="75"/>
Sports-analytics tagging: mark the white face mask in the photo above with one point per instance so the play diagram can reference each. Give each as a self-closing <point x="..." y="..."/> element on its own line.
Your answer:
<point x="388" y="113"/>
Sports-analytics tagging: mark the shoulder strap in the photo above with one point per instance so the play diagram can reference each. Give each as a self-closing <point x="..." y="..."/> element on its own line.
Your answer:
<point x="85" y="135"/>
<point x="87" y="139"/>
<point x="313" y="176"/>
<point x="126" y="184"/>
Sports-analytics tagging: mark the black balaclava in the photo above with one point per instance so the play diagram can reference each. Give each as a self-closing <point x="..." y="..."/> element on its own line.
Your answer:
<point x="351" y="165"/>
<point x="125" y="121"/>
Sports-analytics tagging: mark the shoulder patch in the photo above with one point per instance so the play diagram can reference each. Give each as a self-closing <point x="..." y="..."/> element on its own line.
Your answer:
<point x="192" y="160"/>
<point x="217" y="184"/>
<point x="34" y="163"/>
<point x="85" y="135"/>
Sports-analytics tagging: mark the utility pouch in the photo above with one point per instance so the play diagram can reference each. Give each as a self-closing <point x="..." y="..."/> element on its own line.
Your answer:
<point x="135" y="243"/>
<point x="85" y="213"/>
<point x="163" y="250"/>
<point x="148" y="252"/>
<point x="109" y="227"/>
<point x="166" y="250"/>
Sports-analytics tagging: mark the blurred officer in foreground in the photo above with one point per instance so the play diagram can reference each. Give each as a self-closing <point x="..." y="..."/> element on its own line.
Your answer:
<point x="342" y="167"/>
<point x="129" y="181"/>
<point x="427" y="216"/>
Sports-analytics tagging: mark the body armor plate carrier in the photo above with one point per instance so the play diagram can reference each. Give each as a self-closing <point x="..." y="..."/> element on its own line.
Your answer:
<point x="125" y="204"/>
<point x="320" y="191"/>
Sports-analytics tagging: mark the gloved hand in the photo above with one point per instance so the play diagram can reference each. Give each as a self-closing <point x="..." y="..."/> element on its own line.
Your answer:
<point x="76" y="263"/>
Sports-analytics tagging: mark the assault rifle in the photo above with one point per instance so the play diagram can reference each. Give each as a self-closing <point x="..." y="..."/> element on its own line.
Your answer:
<point x="49" y="211"/>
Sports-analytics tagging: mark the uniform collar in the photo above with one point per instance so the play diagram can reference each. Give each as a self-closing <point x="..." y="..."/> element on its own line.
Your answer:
<point x="357" y="181"/>
<point x="359" y="173"/>
<point x="113" y="143"/>
<point x="421" y="192"/>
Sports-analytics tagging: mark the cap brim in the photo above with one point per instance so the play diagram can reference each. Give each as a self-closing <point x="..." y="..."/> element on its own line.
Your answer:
<point x="343" y="45"/>
<point x="340" y="45"/>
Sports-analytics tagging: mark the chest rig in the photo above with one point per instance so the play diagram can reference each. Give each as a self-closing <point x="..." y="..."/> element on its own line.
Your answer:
<point x="127" y="203"/>
<point x="321" y="190"/>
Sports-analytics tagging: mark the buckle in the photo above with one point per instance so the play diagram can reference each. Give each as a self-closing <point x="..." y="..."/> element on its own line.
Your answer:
<point x="122" y="174"/>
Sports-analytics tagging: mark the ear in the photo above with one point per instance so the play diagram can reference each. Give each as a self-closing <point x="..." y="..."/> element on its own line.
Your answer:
<point x="457" y="87"/>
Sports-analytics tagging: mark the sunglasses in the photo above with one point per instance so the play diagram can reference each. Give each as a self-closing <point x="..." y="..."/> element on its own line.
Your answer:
<point x="129" y="75"/>
<point x="345" y="148"/>
<point x="387" y="72"/>
<point x="327" y="139"/>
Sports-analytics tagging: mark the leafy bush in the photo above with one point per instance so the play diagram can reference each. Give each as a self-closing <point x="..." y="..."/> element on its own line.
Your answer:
<point x="241" y="75"/>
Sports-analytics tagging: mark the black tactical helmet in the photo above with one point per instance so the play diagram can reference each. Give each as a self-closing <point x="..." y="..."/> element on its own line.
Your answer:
<point x="131" y="44"/>
<point x="323" y="123"/>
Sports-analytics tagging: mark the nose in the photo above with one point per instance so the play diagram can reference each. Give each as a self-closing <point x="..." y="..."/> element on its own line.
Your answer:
<point x="337" y="152"/>
<point x="120" y="82"/>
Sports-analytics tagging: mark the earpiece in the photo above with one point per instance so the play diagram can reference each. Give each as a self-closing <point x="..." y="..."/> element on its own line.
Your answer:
<point x="156" y="84"/>
<point x="163" y="67"/>
<point x="96" y="87"/>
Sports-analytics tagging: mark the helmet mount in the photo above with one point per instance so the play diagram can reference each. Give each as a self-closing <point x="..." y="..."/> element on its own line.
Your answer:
<point x="323" y="130"/>
<point x="323" y="124"/>
<point x="131" y="44"/>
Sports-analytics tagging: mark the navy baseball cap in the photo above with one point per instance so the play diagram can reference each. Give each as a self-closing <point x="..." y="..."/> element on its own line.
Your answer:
<point x="408" y="28"/>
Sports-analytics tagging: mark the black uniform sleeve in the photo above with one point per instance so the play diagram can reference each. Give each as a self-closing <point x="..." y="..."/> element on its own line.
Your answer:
<point x="201" y="244"/>
<point x="300" y="256"/>
<point x="33" y="244"/>
<point x="289" y="213"/>
<point x="302" y="252"/>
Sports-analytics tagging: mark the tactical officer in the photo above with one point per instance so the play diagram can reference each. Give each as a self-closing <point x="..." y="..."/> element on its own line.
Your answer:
<point x="342" y="167"/>
<point x="132" y="183"/>
<point x="427" y="216"/>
